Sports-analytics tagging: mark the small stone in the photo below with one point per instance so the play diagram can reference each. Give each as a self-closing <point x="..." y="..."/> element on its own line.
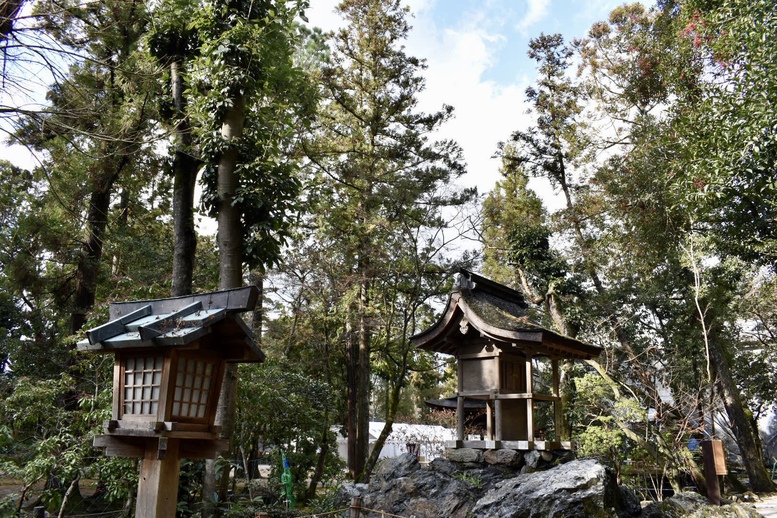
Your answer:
<point x="503" y="457"/>
<point x="464" y="455"/>
<point x="532" y="458"/>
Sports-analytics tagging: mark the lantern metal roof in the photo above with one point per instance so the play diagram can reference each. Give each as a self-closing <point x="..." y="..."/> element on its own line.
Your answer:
<point x="180" y="321"/>
<point x="479" y="308"/>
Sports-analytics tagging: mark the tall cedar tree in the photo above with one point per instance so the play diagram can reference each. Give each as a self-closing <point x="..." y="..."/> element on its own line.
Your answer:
<point x="377" y="170"/>
<point x="173" y="42"/>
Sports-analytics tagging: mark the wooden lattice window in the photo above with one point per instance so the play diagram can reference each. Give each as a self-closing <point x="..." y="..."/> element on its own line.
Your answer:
<point x="142" y="379"/>
<point x="192" y="385"/>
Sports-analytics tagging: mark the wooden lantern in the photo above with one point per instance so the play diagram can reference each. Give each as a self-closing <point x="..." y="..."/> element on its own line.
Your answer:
<point x="170" y="359"/>
<point x="486" y="327"/>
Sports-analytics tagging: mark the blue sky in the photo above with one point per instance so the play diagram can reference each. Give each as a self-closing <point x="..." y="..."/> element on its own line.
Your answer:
<point x="477" y="63"/>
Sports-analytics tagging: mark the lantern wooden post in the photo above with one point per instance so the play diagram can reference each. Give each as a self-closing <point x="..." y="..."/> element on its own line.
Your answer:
<point x="170" y="359"/>
<point x="158" y="482"/>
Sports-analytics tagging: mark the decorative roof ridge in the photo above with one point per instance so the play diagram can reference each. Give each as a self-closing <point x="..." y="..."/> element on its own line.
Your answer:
<point x="467" y="280"/>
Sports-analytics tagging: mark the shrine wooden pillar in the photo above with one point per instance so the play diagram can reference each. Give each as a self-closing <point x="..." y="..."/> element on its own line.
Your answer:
<point x="530" y="399"/>
<point x="558" y="415"/>
<point x="490" y="421"/>
<point x="460" y="417"/>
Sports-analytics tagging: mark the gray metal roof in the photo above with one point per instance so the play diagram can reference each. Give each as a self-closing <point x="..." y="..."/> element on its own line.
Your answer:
<point x="181" y="321"/>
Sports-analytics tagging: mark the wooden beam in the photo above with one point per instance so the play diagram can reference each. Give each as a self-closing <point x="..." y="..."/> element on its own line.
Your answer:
<point x="170" y="321"/>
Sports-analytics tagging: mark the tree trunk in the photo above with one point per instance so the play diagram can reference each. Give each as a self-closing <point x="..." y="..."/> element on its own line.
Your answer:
<point x="184" y="179"/>
<point x="92" y="250"/>
<point x="363" y="391"/>
<point x="230" y="241"/>
<point x="391" y="412"/>
<point x="749" y="445"/>
<point x="256" y="278"/>
<point x="352" y="355"/>
<point x="567" y="393"/>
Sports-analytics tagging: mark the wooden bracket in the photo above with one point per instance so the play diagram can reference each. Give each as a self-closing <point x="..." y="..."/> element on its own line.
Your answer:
<point x="161" y="449"/>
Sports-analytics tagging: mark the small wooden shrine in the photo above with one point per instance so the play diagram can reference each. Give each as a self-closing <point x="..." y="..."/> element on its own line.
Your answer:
<point x="486" y="327"/>
<point x="170" y="358"/>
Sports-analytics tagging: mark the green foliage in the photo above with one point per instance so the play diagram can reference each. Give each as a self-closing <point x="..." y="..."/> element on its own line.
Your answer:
<point x="595" y="410"/>
<point x="726" y="178"/>
<point x="284" y="409"/>
<point x="50" y="425"/>
<point x="634" y="260"/>
<point x="474" y="480"/>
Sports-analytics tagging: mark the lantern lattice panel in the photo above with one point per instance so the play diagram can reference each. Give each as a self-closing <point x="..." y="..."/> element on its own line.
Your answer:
<point x="192" y="385"/>
<point x="142" y="381"/>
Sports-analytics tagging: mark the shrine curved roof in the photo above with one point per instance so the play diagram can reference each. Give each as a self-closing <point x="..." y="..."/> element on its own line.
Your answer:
<point x="480" y="309"/>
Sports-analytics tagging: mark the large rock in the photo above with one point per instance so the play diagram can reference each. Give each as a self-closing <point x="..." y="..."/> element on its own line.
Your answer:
<point x="464" y="455"/>
<point x="577" y="488"/>
<point x="400" y="486"/>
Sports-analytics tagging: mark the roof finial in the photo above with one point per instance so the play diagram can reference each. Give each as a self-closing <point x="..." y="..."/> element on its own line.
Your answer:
<point x="464" y="281"/>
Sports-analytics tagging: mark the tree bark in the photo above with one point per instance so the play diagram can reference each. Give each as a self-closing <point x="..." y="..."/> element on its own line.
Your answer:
<point x="363" y="391"/>
<point x="352" y="354"/>
<point x="184" y="179"/>
<point x="749" y="445"/>
<point x="92" y="250"/>
<point x="230" y="234"/>
<point x="230" y="241"/>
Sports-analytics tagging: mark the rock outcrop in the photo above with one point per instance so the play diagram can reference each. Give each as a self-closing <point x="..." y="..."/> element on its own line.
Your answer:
<point x="577" y="488"/>
<point x="503" y="485"/>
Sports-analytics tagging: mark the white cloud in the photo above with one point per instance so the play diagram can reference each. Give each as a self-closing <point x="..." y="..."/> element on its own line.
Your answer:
<point x="537" y="11"/>
<point x="458" y="56"/>
<point x="322" y="14"/>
